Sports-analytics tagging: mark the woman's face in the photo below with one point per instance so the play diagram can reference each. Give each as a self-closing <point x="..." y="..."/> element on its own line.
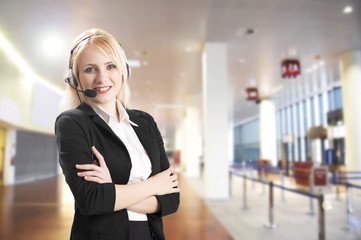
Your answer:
<point x="99" y="72"/>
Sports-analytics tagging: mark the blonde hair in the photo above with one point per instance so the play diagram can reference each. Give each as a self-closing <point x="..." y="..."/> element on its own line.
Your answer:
<point x="107" y="45"/>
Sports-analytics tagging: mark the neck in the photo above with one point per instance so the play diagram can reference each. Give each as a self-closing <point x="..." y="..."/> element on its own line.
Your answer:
<point x="110" y="107"/>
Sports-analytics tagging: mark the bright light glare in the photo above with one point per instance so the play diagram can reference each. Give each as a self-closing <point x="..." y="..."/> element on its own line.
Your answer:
<point x="18" y="61"/>
<point x="133" y="63"/>
<point x="347" y="10"/>
<point x="53" y="46"/>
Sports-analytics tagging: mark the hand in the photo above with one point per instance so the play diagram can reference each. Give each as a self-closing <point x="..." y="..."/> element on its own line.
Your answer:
<point x="164" y="182"/>
<point x="95" y="173"/>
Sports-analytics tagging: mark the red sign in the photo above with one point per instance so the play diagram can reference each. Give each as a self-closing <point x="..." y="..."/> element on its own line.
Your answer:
<point x="290" y="68"/>
<point x="320" y="177"/>
<point x="252" y="94"/>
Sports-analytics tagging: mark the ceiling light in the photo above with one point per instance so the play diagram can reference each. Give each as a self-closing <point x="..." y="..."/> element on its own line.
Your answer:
<point x="133" y="63"/>
<point x="245" y="31"/>
<point x="321" y="63"/>
<point x="145" y="63"/>
<point x="52" y="45"/>
<point x="242" y="60"/>
<point x="23" y="66"/>
<point x="347" y="10"/>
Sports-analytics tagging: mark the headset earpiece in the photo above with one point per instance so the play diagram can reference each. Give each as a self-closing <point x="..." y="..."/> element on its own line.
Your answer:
<point x="128" y="71"/>
<point x="71" y="78"/>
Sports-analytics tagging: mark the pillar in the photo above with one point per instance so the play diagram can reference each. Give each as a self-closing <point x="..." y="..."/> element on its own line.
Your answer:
<point x="192" y="137"/>
<point x="216" y="121"/>
<point x="351" y="92"/>
<point x="268" y="139"/>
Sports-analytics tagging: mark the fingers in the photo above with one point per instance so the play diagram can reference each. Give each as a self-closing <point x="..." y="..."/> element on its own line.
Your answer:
<point x="86" y="166"/>
<point x="171" y="169"/>
<point x="99" y="156"/>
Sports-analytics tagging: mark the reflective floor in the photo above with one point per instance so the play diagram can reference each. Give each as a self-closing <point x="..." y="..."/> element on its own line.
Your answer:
<point x="43" y="210"/>
<point x="291" y="214"/>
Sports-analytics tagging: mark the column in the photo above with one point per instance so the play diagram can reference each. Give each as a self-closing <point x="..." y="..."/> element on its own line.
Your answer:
<point x="216" y="121"/>
<point x="192" y="137"/>
<point x="267" y="121"/>
<point x="351" y="92"/>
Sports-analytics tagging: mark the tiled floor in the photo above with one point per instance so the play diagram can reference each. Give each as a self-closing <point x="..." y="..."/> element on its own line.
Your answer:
<point x="44" y="209"/>
<point x="291" y="216"/>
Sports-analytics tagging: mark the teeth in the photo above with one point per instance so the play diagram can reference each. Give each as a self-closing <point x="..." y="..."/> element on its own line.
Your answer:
<point x="102" y="89"/>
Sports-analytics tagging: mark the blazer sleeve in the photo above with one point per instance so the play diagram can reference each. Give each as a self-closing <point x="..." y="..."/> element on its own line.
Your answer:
<point x="74" y="148"/>
<point x="169" y="202"/>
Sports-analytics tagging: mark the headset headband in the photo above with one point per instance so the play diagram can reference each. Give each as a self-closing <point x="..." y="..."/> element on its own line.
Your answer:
<point x="83" y="39"/>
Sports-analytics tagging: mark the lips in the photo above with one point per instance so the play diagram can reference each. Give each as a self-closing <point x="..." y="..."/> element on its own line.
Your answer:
<point x="102" y="90"/>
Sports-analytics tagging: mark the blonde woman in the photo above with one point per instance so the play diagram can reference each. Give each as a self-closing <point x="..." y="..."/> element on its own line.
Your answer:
<point x="112" y="157"/>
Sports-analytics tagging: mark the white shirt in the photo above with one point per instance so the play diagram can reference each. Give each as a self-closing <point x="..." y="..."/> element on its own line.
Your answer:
<point x="141" y="165"/>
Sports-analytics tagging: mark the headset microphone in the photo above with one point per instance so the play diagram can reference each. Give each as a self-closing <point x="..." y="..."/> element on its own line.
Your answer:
<point x="88" y="92"/>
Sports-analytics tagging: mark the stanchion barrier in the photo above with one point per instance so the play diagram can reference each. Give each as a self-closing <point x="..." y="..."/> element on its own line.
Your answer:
<point x="245" y="207"/>
<point x="264" y="180"/>
<point x="321" y="219"/>
<point x="312" y="210"/>
<point x="349" y="172"/>
<point x="337" y="175"/>
<point x="283" y="184"/>
<point x="271" y="223"/>
<point x="349" y="209"/>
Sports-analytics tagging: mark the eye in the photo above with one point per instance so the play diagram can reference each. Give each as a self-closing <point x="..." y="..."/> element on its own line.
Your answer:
<point x="111" y="66"/>
<point x="90" y="69"/>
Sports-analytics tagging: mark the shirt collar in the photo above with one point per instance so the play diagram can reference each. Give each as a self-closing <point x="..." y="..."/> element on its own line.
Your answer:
<point x="106" y="116"/>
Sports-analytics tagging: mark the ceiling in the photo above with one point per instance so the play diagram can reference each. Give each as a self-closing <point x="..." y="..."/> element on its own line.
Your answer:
<point x="167" y="37"/>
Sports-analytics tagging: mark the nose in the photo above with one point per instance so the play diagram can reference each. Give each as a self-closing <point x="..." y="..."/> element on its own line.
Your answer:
<point x="102" y="76"/>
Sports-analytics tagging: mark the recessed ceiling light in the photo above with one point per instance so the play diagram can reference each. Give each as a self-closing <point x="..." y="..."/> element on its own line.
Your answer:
<point x="347" y="10"/>
<point x="242" y="60"/>
<point x="250" y="31"/>
<point x="145" y="63"/>
<point x="133" y="63"/>
<point x="52" y="45"/>
<point x="245" y="31"/>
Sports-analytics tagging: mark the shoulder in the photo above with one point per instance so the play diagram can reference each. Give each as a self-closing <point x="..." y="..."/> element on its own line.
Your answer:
<point x="75" y="114"/>
<point x="135" y="113"/>
<point x="73" y="118"/>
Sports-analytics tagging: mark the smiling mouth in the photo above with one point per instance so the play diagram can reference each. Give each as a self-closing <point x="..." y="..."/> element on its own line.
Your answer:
<point x="102" y="90"/>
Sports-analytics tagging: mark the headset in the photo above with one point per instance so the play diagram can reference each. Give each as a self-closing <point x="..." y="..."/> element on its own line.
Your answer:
<point x="71" y="79"/>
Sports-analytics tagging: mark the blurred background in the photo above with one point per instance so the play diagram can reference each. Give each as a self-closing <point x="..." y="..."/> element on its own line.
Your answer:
<point x="235" y="86"/>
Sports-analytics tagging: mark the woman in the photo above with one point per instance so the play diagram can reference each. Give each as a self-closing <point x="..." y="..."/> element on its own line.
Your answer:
<point x="112" y="157"/>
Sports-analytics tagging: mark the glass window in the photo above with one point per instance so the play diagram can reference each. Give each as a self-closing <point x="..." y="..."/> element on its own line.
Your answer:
<point x="330" y="100"/>
<point x="286" y="120"/>
<point x="299" y="149"/>
<point x="305" y="126"/>
<point x="246" y="142"/>
<point x="320" y="108"/>
<point x="312" y="110"/>
<point x="291" y="119"/>
<point x="298" y="120"/>
<point x="338" y="97"/>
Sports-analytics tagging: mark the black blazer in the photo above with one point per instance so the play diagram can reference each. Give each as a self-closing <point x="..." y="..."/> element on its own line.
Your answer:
<point x="76" y="131"/>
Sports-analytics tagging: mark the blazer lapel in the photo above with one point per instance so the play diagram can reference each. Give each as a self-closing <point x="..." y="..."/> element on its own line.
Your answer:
<point x="97" y="120"/>
<point x="141" y="131"/>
